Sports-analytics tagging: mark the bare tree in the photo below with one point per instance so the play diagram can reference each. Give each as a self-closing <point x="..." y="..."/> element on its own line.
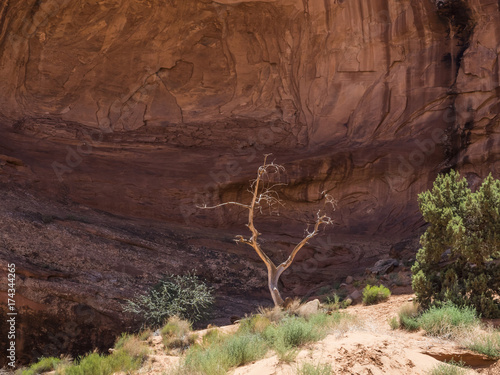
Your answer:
<point x="263" y="190"/>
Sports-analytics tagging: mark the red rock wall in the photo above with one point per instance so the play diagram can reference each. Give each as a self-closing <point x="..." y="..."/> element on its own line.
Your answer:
<point x="355" y="85"/>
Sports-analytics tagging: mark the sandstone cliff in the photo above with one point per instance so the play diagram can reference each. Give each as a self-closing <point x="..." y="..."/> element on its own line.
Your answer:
<point x="143" y="108"/>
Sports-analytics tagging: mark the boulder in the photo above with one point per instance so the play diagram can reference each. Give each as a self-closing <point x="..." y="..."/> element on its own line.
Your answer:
<point x="309" y="308"/>
<point x="383" y="266"/>
<point x="356" y="296"/>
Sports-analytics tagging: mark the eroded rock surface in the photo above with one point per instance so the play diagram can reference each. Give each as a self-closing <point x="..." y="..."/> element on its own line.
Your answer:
<point x="142" y="109"/>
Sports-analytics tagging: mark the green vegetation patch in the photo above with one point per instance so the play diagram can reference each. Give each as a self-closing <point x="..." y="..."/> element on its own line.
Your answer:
<point x="231" y="351"/>
<point x="177" y="334"/>
<point x="257" y="335"/>
<point x="448" y="320"/>
<point x="128" y="355"/>
<point x="375" y="294"/>
<point x="447" y="369"/>
<point x="185" y="296"/>
<point x="487" y="344"/>
<point x="43" y="365"/>
<point x="315" y="369"/>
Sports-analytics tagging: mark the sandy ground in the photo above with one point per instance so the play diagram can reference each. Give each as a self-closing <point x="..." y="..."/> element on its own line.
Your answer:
<point x="370" y="348"/>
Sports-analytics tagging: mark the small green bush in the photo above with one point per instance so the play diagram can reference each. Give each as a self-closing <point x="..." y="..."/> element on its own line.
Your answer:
<point x="183" y="295"/>
<point x="393" y="323"/>
<point x="336" y="302"/>
<point x="145" y="334"/>
<point x="488" y="344"/>
<point x="132" y="346"/>
<point x="212" y="337"/>
<point x="286" y="354"/>
<point x="91" y="364"/>
<point x="97" y="364"/>
<point x="408" y="317"/>
<point x="318" y="369"/>
<point x="235" y="350"/>
<point x="293" y="332"/>
<point x="43" y="365"/>
<point x="255" y="324"/>
<point x="128" y="355"/>
<point x="242" y="349"/>
<point x="448" y="320"/>
<point x="447" y="369"/>
<point x="409" y="324"/>
<point x="375" y="294"/>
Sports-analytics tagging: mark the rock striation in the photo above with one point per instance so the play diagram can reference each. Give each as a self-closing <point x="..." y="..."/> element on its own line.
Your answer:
<point x="142" y="109"/>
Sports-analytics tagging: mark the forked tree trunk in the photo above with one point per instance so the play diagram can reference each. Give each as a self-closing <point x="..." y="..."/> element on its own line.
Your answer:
<point x="273" y="277"/>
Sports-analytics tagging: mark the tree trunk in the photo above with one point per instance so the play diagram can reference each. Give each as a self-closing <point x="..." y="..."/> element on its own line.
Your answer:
<point x="273" y="276"/>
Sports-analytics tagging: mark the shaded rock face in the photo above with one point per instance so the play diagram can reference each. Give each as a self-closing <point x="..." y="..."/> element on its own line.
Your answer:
<point x="142" y="109"/>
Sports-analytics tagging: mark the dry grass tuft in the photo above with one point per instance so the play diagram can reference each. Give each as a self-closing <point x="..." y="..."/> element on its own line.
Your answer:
<point x="177" y="334"/>
<point x="293" y="306"/>
<point x="274" y="314"/>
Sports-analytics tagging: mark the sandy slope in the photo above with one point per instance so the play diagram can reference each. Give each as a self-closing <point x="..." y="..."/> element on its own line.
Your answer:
<point x="371" y="348"/>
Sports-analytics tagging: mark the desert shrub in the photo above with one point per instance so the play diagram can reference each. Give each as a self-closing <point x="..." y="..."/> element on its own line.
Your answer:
<point x="393" y="323"/>
<point x="235" y="350"/>
<point x="91" y="364"/>
<point x="242" y="349"/>
<point x="290" y="333"/>
<point x="335" y="302"/>
<point x="176" y="334"/>
<point x="183" y="295"/>
<point x="254" y="324"/>
<point x="317" y="369"/>
<point x="447" y="369"/>
<point x="375" y="294"/>
<point x="97" y="364"/>
<point x="457" y="259"/>
<point x="145" y="334"/>
<point x="346" y="303"/>
<point x="293" y="332"/>
<point x="274" y="314"/>
<point x="132" y="346"/>
<point x="408" y="316"/>
<point x="448" y="320"/>
<point x="43" y="365"/>
<point x="213" y="336"/>
<point x="293" y="306"/>
<point x="256" y="334"/>
<point x="285" y="354"/>
<point x="487" y="344"/>
<point x="128" y="355"/>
